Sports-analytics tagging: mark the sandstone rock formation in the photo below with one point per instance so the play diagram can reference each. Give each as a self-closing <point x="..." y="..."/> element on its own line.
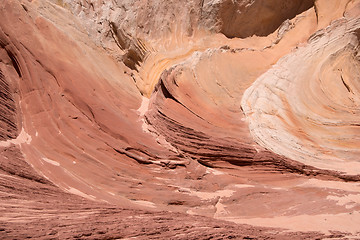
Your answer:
<point x="179" y="119"/>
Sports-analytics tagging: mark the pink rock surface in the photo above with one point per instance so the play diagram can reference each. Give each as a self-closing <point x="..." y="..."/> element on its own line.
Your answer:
<point x="119" y="119"/>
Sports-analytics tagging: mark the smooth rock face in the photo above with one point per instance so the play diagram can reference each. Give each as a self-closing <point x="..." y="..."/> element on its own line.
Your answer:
<point x="245" y="18"/>
<point x="153" y="119"/>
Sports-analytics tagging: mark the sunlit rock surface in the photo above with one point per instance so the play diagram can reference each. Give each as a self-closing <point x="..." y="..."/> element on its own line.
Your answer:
<point x="179" y="119"/>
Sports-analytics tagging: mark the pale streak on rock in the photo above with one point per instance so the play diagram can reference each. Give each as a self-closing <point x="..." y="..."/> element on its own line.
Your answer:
<point x="51" y="162"/>
<point x="22" y="138"/>
<point x="325" y="222"/>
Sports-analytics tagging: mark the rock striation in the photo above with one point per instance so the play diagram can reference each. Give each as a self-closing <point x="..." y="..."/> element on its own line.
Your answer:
<point x="179" y="120"/>
<point x="313" y="95"/>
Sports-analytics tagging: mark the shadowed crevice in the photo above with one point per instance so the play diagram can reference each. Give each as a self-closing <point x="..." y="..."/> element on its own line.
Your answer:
<point x="259" y="18"/>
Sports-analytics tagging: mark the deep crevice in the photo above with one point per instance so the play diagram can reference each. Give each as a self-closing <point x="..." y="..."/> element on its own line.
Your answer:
<point x="166" y="92"/>
<point x="347" y="86"/>
<point x="15" y="63"/>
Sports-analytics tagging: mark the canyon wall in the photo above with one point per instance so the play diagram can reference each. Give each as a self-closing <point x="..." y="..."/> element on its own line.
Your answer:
<point x="155" y="119"/>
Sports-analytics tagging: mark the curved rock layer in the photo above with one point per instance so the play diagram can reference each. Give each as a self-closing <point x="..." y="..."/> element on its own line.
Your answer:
<point x="118" y="115"/>
<point x="307" y="106"/>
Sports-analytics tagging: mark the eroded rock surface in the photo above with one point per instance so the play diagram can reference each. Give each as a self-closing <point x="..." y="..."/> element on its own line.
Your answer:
<point x="153" y="119"/>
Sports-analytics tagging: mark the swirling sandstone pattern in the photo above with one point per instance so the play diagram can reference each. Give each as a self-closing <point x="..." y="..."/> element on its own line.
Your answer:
<point x="154" y="119"/>
<point x="307" y="106"/>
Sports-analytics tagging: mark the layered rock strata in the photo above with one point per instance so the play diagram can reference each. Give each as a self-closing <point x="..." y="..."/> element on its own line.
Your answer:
<point x="117" y="115"/>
